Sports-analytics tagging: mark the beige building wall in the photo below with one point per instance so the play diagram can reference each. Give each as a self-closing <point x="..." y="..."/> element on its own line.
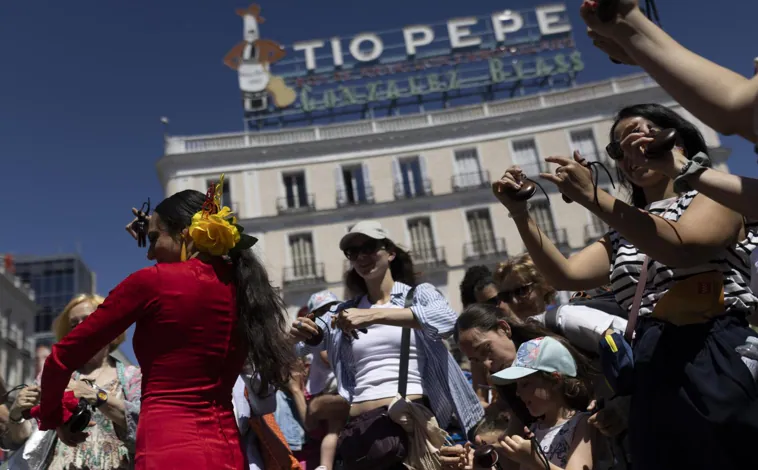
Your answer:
<point x="258" y="192"/>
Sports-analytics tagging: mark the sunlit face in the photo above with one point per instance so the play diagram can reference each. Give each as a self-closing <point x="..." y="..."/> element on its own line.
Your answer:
<point x="641" y="177"/>
<point x="369" y="257"/>
<point x="494" y="349"/>
<point x="537" y="393"/>
<point x="163" y="247"/>
<point x="525" y="298"/>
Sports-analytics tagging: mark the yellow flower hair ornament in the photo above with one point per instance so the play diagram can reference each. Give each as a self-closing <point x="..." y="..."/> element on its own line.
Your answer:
<point x="214" y="228"/>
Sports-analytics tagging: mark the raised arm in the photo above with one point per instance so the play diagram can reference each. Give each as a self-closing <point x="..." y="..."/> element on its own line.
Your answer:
<point x="738" y="193"/>
<point x="131" y="299"/>
<point x="722" y="99"/>
<point x="704" y="229"/>
<point x="585" y="270"/>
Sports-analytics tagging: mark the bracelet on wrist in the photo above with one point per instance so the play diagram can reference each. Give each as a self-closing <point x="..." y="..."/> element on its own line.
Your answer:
<point x="698" y="164"/>
<point x="14" y="420"/>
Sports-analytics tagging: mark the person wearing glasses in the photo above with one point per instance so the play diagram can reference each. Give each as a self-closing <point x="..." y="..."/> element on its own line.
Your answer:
<point x="692" y="394"/>
<point x="721" y="98"/>
<point x="366" y="363"/>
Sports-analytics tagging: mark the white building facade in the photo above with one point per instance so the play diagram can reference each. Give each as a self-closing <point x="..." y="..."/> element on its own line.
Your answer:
<point x="17" y="314"/>
<point x="426" y="177"/>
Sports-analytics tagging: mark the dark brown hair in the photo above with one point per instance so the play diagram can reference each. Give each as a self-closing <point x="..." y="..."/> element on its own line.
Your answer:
<point x="577" y="391"/>
<point x="401" y="269"/>
<point x="263" y="316"/>
<point x="486" y="317"/>
<point x="689" y="137"/>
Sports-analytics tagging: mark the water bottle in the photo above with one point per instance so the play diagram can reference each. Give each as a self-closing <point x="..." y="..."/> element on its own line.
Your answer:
<point x="749" y="353"/>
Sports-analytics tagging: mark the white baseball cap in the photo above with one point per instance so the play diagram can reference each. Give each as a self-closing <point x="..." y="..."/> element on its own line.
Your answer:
<point x="543" y="354"/>
<point x="368" y="228"/>
<point x="321" y="299"/>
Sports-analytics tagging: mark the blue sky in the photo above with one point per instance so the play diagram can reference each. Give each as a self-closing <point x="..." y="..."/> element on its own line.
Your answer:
<point x="86" y="82"/>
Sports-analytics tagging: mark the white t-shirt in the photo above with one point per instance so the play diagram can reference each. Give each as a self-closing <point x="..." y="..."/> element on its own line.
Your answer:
<point x="377" y="361"/>
<point x="556" y="441"/>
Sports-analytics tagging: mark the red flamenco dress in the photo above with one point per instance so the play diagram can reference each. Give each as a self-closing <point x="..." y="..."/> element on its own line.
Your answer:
<point x="190" y="352"/>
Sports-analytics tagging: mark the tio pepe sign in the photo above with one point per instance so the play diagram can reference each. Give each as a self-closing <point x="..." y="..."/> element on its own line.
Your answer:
<point x="416" y="36"/>
<point x="359" y="74"/>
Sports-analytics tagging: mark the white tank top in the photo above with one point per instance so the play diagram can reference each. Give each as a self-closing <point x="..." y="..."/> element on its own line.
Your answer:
<point x="377" y="361"/>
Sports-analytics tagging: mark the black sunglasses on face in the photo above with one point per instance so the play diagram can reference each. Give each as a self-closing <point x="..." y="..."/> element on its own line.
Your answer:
<point x="369" y="247"/>
<point x="520" y="292"/>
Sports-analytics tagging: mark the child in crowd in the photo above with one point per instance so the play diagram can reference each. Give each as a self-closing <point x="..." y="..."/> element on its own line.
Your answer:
<point x="553" y="381"/>
<point x="327" y="411"/>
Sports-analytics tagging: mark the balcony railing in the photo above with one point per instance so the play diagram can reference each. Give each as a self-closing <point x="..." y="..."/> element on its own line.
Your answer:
<point x="304" y="274"/>
<point x="355" y="198"/>
<point x="429" y="257"/>
<point x="493" y="248"/>
<point x="508" y="107"/>
<point x="411" y="190"/>
<point x="593" y="232"/>
<point x="290" y="205"/>
<point x="471" y="181"/>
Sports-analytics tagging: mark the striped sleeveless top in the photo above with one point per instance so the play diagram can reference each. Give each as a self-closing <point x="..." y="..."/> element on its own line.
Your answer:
<point x="733" y="262"/>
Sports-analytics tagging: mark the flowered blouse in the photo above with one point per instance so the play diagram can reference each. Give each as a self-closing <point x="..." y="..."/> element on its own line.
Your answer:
<point x="107" y="447"/>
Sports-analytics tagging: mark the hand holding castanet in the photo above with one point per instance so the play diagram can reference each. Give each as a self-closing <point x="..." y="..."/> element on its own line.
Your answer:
<point x="663" y="142"/>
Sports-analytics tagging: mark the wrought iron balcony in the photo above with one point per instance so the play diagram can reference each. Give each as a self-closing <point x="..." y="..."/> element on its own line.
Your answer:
<point x="412" y="190"/>
<point x="292" y="205"/>
<point x="485" y="249"/>
<point x="429" y="257"/>
<point x="471" y="181"/>
<point x="355" y="198"/>
<point x="304" y="274"/>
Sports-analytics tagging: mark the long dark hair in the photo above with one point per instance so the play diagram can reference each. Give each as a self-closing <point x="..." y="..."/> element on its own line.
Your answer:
<point x="262" y="314"/>
<point x="690" y="138"/>
<point x="401" y="269"/>
<point x="486" y="317"/>
<point x="576" y="391"/>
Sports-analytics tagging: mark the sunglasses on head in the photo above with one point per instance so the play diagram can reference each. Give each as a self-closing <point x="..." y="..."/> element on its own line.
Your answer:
<point x="368" y="247"/>
<point x="508" y="296"/>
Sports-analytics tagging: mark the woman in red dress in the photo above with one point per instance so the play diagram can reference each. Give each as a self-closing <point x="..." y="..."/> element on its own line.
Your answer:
<point x="200" y="312"/>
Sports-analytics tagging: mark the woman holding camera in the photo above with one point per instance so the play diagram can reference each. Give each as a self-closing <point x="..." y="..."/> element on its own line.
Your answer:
<point x="692" y="392"/>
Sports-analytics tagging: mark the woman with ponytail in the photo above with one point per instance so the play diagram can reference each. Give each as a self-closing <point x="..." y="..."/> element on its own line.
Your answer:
<point x="205" y="308"/>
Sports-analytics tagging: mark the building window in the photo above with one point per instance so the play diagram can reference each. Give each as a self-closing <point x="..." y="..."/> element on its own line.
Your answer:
<point x="584" y="141"/>
<point x="525" y="155"/>
<point x="423" y="247"/>
<point x="296" y="196"/>
<point x="482" y="234"/>
<point x="540" y="212"/>
<point x="410" y="178"/>
<point x="226" y="192"/>
<point x="303" y="256"/>
<point x="468" y="172"/>
<point x="352" y="185"/>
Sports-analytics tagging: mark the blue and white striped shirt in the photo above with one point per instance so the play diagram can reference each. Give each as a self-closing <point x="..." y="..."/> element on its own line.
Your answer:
<point x="442" y="380"/>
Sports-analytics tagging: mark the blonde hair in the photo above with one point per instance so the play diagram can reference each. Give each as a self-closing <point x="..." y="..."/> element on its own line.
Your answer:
<point x="62" y="324"/>
<point x="523" y="266"/>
